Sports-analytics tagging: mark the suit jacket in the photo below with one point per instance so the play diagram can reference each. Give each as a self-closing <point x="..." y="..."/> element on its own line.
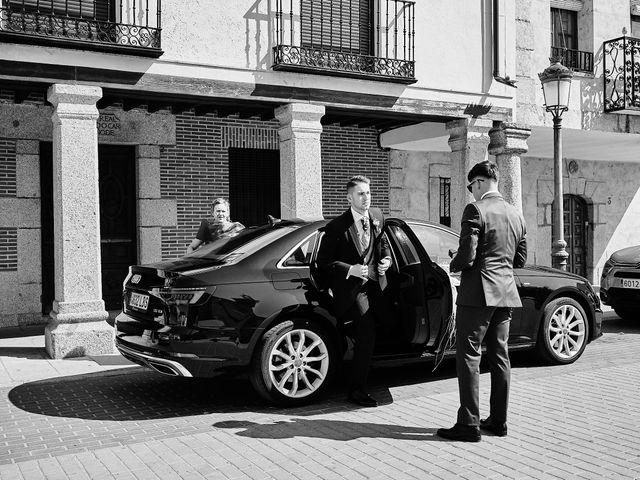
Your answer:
<point x="339" y="251"/>
<point x="492" y="243"/>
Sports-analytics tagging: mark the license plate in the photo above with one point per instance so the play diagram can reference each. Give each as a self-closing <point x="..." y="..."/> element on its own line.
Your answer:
<point x="629" y="283"/>
<point x="139" y="301"/>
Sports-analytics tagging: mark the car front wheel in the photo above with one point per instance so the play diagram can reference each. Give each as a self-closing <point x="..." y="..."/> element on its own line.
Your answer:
<point x="294" y="363"/>
<point x="564" y="331"/>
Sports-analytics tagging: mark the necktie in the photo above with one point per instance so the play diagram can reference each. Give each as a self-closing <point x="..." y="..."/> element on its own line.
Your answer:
<point x="364" y="239"/>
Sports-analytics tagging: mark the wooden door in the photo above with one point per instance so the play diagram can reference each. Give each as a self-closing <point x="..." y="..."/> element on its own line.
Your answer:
<point x="575" y="233"/>
<point x="118" y="229"/>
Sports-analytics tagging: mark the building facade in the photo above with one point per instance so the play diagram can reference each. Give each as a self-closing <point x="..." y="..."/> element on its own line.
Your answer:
<point x="601" y="145"/>
<point x="121" y="121"/>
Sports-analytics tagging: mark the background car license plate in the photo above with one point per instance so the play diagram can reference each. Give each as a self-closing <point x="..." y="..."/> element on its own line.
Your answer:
<point x="629" y="283"/>
<point x="139" y="301"/>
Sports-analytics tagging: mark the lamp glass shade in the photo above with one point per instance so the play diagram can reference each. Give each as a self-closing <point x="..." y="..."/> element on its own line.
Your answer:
<point x="556" y="92"/>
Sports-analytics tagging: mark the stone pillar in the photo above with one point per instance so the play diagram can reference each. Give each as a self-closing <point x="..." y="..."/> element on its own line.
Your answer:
<point x="154" y="212"/>
<point x="468" y="140"/>
<point x="78" y="324"/>
<point x="508" y="142"/>
<point x="300" y="160"/>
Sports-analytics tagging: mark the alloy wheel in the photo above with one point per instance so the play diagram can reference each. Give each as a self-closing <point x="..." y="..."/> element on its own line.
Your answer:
<point x="298" y="363"/>
<point x="567" y="332"/>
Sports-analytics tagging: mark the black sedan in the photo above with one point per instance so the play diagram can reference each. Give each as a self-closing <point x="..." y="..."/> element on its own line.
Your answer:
<point x="250" y="302"/>
<point x="620" y="282"/>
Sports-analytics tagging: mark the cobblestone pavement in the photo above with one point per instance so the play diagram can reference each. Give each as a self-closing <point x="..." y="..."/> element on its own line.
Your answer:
<point x="577" y="421"/>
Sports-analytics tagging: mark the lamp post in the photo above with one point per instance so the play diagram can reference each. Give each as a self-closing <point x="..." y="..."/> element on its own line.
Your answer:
<point x="556" y="86"/>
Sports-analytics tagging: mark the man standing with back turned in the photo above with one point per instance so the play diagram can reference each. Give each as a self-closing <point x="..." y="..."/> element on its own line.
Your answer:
<point x="492" y="243"/>
<point x="355" y="256"/>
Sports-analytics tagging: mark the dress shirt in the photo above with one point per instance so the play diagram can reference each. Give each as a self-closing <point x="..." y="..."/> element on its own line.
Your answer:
<point x="487" y="193"/>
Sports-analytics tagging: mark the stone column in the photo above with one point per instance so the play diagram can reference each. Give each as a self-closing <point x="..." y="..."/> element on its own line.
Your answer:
<point x="78" y="324"/>
<point x="468" y="140"/>
<point x="300" y="160"/>
<point x="508" y="142"/>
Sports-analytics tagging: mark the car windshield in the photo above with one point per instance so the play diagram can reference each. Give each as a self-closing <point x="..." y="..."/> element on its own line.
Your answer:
<point x="244" y="243"/>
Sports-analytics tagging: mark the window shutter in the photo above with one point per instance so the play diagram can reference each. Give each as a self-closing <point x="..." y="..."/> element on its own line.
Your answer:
<point x="342" y="25"/>
<point x="575" y="5"/>
<point x="98" y="9"/>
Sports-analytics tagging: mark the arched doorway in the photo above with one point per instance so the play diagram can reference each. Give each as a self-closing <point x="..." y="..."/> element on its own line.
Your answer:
<point x="576" y="222"/>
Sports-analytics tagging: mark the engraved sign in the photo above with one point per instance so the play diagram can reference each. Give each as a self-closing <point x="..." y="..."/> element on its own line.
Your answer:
<point x="109" y="124"/>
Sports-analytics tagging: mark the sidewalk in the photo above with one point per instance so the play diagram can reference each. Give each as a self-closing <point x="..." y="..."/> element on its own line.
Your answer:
<point x="578" y="421"/>
<point x="23" y="359"/>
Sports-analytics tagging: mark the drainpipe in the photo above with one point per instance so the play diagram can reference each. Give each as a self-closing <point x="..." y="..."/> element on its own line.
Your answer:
<point x="498" y="51"/>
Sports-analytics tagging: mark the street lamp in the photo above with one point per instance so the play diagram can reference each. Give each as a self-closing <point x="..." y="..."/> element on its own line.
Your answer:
<point x="556" y="86"/>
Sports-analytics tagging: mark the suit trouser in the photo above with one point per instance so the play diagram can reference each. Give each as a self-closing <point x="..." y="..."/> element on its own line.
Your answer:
<point x="473" y="324"/>
<point x="364" y="330"/>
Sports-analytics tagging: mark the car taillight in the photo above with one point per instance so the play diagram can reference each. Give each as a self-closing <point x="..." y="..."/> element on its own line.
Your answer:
<point x="179" y="296"/>
<point x="180" y="303"/>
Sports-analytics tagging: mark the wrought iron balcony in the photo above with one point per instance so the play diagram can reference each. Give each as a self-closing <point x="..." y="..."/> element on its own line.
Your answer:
<point x="373" y="39"/>
<point x="122" y="26"/>
<point x="621" y="66"/>
<point x="576" y="60"/>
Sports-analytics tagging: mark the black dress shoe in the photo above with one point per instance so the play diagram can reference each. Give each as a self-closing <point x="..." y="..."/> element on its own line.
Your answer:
<point x="362" y="398"/>
<point x="498" y="429"/>
<point x="461" y="433"/>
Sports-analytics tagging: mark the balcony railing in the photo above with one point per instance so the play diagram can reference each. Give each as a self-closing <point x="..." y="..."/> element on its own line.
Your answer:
<point x="621" y="67"/>
<point x="373" y="39"/>
<point x="576" y="60"/>
<point x="123" y="26"/>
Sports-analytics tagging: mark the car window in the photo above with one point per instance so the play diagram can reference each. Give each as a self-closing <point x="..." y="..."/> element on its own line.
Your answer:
<point x="437" y="242"/>
<point x="301" y="255"/>
<point x="244" y="243"/>
<point x="409" y="253"/>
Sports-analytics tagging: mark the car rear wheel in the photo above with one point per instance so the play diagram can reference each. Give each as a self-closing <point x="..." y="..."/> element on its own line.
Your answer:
<point x="626" y="313"/>
<point x="564" y="331"/>
<point x="294" y="363"/>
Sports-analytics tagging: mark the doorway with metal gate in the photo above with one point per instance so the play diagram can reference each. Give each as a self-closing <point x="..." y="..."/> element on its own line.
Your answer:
<point x="118" y="231"/>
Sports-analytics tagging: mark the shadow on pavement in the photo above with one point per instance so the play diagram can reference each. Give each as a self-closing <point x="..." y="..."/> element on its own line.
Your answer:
<point x="134" y="396"/>
<point x="329" y="429"/>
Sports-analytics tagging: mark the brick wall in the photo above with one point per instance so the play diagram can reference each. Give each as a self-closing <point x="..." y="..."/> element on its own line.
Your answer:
<point x="8" y="249"/>
<point x="8" y="236"/>
<point x="7" y="168"/>
<point x="195" y="170"/>
<point x="348" y="151"/>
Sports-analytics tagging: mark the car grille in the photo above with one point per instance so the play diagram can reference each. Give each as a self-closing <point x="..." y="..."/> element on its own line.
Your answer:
<point x="627" y="274"/>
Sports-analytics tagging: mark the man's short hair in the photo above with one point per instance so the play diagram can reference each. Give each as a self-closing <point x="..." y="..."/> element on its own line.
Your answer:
<point x="356" y="179"/>
<point x="484" y="169"/>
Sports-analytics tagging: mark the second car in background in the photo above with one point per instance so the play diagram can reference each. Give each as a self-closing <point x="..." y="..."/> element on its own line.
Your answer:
<point x="620" y="282"/>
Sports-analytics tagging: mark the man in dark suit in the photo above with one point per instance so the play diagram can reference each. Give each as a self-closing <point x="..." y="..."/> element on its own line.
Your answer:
<point x="354" y="256"/>
<point x="492" y="243"/>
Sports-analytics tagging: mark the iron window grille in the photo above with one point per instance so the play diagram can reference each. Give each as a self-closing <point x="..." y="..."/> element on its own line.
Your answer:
<point x="372" y="39"/>
<point x="621" y="64"/>
<point x="445" y="201"/>
<point x="132" y="26"/>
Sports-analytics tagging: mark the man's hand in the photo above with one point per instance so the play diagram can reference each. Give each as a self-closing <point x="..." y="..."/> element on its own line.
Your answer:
<point x="360" y="271"/>
<point x="384" y="265"/>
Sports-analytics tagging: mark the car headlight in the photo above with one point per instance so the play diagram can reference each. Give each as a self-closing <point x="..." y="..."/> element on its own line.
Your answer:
<point x="608" y="265"/>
